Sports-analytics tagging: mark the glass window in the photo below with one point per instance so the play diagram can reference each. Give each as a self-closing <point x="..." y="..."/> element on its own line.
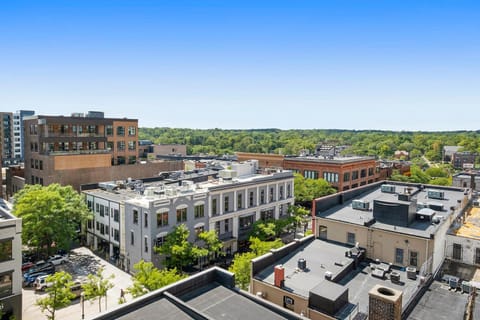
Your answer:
<point x="354" y="175"/>
<point x="199" y="211"/>
<point x="346" y="177"/>
<point x="181" y="215"/>
<point x="120" y="145"/>
<point x="227" y="225"/>
<point x="363" y="173"/>
<point x="159" y="241"/>
<point x="145" y="219"/>
<point x="199" y="230"/>
<point x="262" y="196"/>
<point x="398" y="256"/>
<point x="214" y="206"/>
<point x="350" y="237"/>
<point x="6" y="284"/>
<point x="162" y="219"/>
<point x="245" y="222"/>
<point x="132" y="131"/>
<point x="5" y="250"/>
<point x="310" y="174"/>
<point x="413" y="258"/>
<point x="131" y="145"/>
<point x="135" y="217"/>
<point x="132" y="238"/>
<point x="251" y="201"/>
<point x="280" y="191"/>
<point x="120" y="131"/>
<point x="457" y="251"/>
<point x="239" y="201"/>
<point x="109" y="130"/>
<point x="217" y="227"/>
<point x="370" y="171"/>
<point x="226" y="202"/>
<point x="145" y="243"/>
<point x="116" y="215"/>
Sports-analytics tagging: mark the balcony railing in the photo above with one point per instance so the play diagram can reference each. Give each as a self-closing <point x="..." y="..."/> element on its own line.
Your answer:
<point x="76" y="152"/>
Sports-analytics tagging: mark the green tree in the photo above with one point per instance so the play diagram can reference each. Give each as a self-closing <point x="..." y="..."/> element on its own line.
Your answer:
<point x="308" y="189"/>
<point x="241" y="267"/>
<point x="177" y="249"/>
<point x="259" y="247"/>
<point x="147" y="278"/>
<point x="97" y="286"/>
<point x="301" y="216"/>
<point x="211" y="243"/>
<point x="264" y="230"/>
<point x="58" y="294"/>
<point x="50" y="215"/>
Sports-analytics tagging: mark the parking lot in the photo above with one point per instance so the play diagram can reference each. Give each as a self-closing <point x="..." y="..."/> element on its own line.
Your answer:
<point x="81" y="263"/>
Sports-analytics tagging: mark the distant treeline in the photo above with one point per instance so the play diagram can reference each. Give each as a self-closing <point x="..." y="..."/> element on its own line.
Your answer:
<point x="382" y="144"/>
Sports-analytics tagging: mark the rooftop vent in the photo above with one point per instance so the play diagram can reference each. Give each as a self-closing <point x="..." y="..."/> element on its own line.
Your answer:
<point x="361" y="205"/>
<point x="436" y="194"/>
<point x="387" y="188"/>
<point x="302" y="264"/>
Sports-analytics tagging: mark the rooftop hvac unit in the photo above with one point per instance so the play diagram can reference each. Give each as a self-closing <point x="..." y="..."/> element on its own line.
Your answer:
<point x="328" y="275"/>
<point x="412" y="273"/>
<point x="436" y="194"/>
<point x="421" y="205"/>
<point x="395" y="277"/>
<point x="387" y="188"/>
<point x="302" y="264"/>
<point x="466" y="287"/>
<point x="361" y="205"/>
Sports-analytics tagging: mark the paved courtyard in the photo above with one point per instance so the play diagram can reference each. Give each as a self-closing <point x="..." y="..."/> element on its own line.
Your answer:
<point x="81" y="263"/>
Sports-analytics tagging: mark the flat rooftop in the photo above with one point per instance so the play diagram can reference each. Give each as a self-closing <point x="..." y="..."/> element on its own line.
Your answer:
<point x="206" y="295"/>
<point x="471" y="226"/>
<point x="331" y="160"/>
<point x="345" y="212"/>
<point x="322" y="256"/>
<point x="440" y="303"/>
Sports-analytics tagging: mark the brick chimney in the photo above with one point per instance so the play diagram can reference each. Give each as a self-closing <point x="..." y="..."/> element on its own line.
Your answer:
<point x="279" y="275"/>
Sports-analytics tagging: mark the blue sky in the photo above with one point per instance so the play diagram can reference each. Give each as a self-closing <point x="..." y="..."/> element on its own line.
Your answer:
<point x="346" y="64"/>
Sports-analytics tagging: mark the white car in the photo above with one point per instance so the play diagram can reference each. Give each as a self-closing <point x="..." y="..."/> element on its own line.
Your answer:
<point x="41" y="283"/>
<point x="57" y="259"/>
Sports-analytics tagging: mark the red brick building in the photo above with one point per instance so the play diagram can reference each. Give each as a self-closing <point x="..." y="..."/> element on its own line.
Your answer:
<point x="85" y="149"/>
<point x="343" y="173"/>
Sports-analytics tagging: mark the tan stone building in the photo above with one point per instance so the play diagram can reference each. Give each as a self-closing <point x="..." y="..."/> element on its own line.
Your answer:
<point x="401" y="224"/>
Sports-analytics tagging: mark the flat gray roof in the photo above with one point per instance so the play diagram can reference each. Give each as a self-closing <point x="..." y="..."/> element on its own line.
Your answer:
<point x="345" y="213"/>
<point x="162" y="308"/>
<point x="336" y="159"/>
<point x="440" y="303"/>
<point x="220" y="302"/>
<point x="322" y="256"/>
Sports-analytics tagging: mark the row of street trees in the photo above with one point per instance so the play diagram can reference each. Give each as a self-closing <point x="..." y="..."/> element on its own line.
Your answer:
<point x="59" y="294"/>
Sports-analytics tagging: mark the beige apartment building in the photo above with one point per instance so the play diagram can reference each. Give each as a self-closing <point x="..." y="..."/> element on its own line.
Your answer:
<point x="401" y="224"/>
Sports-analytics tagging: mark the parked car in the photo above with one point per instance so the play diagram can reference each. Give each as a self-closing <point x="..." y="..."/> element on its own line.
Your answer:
<point x="41" y="283"/>
<point x="57" y="259"/>
<point x="76" y="289"/>
<point x="27" y="265"/>
<point x="47" y="267"/>
<point x="29" y="280"/>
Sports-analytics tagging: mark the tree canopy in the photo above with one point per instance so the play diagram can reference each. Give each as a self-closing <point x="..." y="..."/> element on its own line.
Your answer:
<point x="289" y="142"/>
<point x="306" y="190"/>
<point x="97" y="286"/>
<point x="51" y="215"/>
<point x="147" y="278"/>
<point x="58" y="294"/>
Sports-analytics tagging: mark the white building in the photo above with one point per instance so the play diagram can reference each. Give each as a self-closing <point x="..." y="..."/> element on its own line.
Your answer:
<point x="10" y="264"/>
<point x="229" y="204"/>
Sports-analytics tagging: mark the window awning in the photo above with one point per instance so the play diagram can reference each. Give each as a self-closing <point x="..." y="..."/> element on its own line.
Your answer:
<point x="199" y="225"/>
<point x="162" y="234"/>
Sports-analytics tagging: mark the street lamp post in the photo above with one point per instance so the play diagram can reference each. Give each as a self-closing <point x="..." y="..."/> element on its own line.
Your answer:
<point x="82" y="301"/>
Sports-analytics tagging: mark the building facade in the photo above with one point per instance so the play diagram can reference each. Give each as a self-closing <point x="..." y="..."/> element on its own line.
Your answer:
<point x="84" y="149"/>
<point x="18" y="133"/>
<point x="401" y="224"/>
<point x="343" y="173"/>
<point x="229" y="205"/>
<point x="10" y="264"/>
<point x="145" y="213"/>
<point x="6" y="137"/>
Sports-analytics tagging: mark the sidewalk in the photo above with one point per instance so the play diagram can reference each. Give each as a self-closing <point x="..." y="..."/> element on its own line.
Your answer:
<point x="83" y="262"/>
